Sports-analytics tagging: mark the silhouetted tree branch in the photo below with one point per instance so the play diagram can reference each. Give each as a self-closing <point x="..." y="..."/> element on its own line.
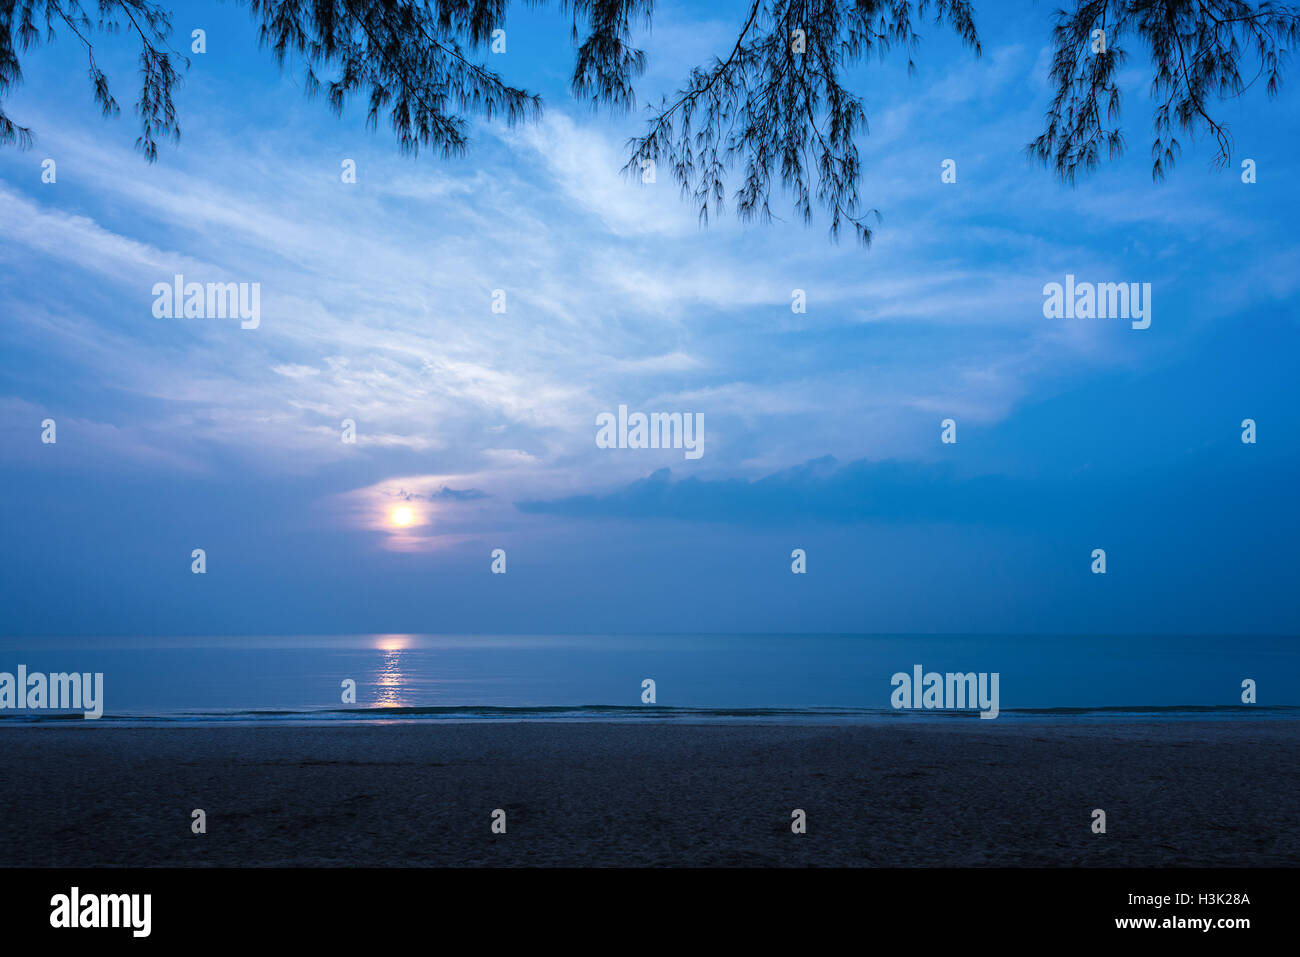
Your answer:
<point x="1196" y="48"/>
<point x="774" y="112"/>
<point x="776" y="107"/>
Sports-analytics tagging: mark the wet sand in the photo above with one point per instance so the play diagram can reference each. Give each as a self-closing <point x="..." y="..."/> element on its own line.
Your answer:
<point x="600" y="794"/>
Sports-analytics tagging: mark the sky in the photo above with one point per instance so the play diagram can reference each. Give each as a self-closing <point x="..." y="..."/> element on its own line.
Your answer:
<point x="822" y="429"/>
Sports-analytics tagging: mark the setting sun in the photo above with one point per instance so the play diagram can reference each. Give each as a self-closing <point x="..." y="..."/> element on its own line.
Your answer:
<point x="402" y="516"/>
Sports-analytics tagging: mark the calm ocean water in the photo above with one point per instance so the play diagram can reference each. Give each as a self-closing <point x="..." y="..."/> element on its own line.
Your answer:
<point x="697" y="677"/>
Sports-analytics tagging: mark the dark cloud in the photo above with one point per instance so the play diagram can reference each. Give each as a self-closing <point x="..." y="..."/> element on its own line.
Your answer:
<point x="824" y="489"/>
<point x="819" y="489"/>
<point x="444" y="494"/>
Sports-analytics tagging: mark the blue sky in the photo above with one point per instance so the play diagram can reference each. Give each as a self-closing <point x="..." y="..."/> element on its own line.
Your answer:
<point x="822" y="430"/>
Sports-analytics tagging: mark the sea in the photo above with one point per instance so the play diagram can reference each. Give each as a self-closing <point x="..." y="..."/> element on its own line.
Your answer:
<point x="304" y="679"/>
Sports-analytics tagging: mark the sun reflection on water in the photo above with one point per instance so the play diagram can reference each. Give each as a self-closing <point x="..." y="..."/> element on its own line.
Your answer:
<point x="389" y="679"/>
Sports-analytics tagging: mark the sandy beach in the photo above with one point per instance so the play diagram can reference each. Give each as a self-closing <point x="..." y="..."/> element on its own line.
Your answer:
<point x="602" y="794"/>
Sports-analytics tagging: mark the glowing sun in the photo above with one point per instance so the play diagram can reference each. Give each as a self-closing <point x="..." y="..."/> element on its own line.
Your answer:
<point x="402" y="516"/>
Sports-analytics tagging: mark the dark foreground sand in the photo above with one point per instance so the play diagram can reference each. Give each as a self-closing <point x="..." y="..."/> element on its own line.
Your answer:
<point x="951" y="794"/>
